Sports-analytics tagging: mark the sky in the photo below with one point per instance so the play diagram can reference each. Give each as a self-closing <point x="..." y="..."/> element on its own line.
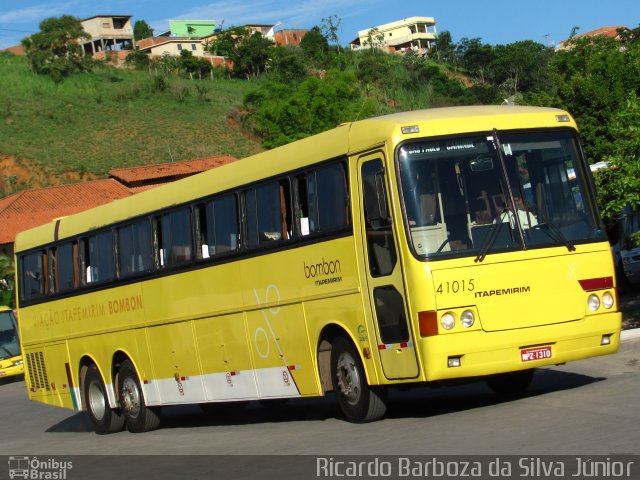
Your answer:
<point x="494" y="21"/>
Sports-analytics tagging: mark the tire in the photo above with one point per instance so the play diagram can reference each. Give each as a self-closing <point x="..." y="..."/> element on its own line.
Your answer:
<point x="137" y="416"/>
<point x="104" y="419"/>
<point x="511" y="384"/>
<point x="359" y="402"/>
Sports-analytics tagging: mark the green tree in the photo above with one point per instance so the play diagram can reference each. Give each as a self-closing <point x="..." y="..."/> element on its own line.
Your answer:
<point x="139" y="59"/>
<point x="141" y="29"/>
<point x="287" y="64"/>
<point x="193" y="66"/>
<point x="593" y="79"/>
<point x="476" y="58"/>
<point x="54" y="50"/>
<point x="284" y="113"/>
<point x="249" y="51"/>
<point x="330" y="26"/>
<point x="620" y="184"/>
<point x="375" y="39"/>
<point x="521" y="67"/>
<point x="445" y="50"/>
<point x="315" y="46"/>
<point x="7" y="284"/>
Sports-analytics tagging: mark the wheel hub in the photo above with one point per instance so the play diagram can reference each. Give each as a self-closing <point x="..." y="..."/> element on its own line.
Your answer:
<point x="348" y="378"/>
<point x="130" y="397"/>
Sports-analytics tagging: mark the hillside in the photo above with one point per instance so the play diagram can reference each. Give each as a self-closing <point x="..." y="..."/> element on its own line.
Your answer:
<point x="91" y="123"/>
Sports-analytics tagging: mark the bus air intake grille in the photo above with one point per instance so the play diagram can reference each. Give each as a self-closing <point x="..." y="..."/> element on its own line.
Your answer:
<point x="37" y="371"/>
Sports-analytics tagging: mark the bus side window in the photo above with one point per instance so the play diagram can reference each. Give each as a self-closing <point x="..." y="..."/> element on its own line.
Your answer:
<point x="323" y="200"/>
<point x="66" y="266"/>
<point x="33" y="275"/>
<point x="135" y="248"/>
<point x="218" y="226"/>
<point x="174" y="238"/>
<point x="268" y="213"/>
<point x="97" y="259"/>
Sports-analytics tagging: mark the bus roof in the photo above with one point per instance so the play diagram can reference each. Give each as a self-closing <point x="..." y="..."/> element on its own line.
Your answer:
<point x="349" y="138"/>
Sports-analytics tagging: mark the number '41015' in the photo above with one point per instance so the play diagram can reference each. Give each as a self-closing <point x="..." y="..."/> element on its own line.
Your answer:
<point x="456" y="286"/>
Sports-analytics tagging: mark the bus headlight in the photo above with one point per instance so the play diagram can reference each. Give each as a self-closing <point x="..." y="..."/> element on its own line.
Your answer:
<point x="467" y="319"/>
<point x="448" y="321"/>
<point x="607" y="300"/>
<point x="593" y="302"/>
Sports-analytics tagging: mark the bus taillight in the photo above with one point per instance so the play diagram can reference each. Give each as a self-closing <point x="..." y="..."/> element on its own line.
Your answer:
<point x="428" y="322"/>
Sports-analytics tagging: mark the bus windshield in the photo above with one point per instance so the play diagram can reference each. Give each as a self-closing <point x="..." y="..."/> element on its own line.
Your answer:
<point x="9" y="345"/>
<point x="496" y="192"/>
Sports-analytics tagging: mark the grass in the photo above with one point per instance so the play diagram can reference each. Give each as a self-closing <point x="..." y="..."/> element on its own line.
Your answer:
<point x="92" y="123"/>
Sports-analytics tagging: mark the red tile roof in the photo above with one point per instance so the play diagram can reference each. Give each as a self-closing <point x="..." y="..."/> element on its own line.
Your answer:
<point x="611" y="32"/>
<point x="37" y="206"/>
<point x="134" y="177"/>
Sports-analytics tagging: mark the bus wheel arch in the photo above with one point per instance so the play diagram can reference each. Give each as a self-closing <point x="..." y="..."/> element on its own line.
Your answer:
<point x="325" y="344"/>
<point x="96" y="400"/>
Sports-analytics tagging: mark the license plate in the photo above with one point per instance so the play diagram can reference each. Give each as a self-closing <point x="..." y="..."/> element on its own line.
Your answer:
<point x="532" y="354"/>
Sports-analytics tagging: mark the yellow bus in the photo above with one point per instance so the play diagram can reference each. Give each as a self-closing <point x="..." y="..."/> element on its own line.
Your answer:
<point x="453" y="243"/>
<point x="11" y="364"/>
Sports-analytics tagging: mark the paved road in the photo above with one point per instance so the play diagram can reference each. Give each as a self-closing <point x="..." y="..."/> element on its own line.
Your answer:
<point x="590" y="407"/>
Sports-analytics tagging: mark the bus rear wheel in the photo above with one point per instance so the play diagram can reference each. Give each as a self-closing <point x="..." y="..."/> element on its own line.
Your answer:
<point x="510" y="384"/>
<point x="358" y="401"/>
<point x="103" y="417"/>
<point x="138" y="417"/>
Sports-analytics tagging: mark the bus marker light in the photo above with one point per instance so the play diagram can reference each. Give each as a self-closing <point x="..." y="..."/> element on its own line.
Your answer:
<point x="606" y="340"/>
<point x="428" y="322"/>
<point x="453" y="362"/>
<point x="593" y="302"/>
<point x="600" y="283"/>
<point x="607" y="300"/>
<point x="366" y="352"/>
<point x="410" y="129"/>
<point x="563" y="118"/>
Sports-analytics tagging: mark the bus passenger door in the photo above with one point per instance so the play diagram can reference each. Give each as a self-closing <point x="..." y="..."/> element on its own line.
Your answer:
<point x="384" y="274"/>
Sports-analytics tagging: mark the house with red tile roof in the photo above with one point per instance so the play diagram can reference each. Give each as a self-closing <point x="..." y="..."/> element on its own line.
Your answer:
<point x="611" y="32"/>
<point x="30" y="208"/>
<point x="149" y="176"/>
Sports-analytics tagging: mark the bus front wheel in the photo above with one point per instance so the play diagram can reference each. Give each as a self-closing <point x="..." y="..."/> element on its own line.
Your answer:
<point x="105" y="420"/>
<point x="358" y="401"/>
<point x="138" y="417"/>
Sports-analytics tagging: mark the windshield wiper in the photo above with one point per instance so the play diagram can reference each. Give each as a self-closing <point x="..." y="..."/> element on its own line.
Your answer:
<point x="556" y="234"/>
<point x="8" y="351"/>
<point x="490" y="238"/>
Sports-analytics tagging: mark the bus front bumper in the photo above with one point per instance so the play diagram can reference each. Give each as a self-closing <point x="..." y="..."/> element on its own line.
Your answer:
<point x="480" y="353"/>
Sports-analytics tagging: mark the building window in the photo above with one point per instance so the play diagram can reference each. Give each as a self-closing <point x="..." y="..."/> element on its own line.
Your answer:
<point x="194" y="47"/>
<point x="179" y="46"/>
